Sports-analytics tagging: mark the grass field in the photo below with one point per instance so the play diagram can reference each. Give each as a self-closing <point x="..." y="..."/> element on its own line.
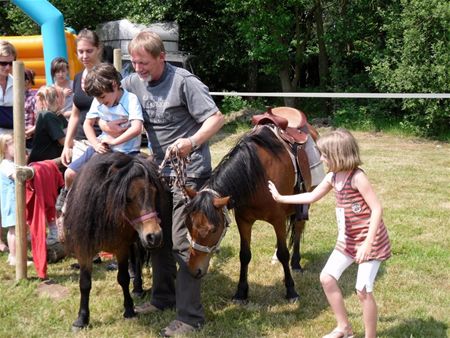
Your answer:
<point x="412" y="179"/>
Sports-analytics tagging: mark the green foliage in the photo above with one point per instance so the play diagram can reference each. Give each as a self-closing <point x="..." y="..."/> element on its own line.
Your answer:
<point x="233" y="104"/>
<point x="268" y="45"/>
<point x="16" y="22"/>
<point x="417" y="59"/>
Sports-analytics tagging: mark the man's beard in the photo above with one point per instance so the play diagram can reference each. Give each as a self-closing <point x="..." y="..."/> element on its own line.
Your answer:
<point x="146" y="79"/>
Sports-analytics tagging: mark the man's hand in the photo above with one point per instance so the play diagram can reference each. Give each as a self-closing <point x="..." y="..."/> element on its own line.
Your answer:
<point x="181" y="147"/>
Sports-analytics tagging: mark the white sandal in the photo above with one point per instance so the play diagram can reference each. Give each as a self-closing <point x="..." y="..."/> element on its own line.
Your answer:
<point x="338" y="333"/>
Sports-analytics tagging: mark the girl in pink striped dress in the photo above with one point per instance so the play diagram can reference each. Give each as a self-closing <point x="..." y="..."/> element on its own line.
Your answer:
<point x="362" y="235"/>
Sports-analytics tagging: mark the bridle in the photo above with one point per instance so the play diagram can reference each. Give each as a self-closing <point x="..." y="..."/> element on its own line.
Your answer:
<point x="178" y="165"/>
<point x="143" y="218"/>
<point x="227" y="221"/>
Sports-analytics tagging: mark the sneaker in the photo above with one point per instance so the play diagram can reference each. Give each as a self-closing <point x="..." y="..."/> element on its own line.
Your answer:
<point x="178" y="328"/>
<point x="146" y="308"/>
<point x="60" y="201"/>
<point x="12" y="261"/>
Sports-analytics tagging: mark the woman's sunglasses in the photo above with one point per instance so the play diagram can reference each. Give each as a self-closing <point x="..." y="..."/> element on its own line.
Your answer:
<point x="6" y="63"/>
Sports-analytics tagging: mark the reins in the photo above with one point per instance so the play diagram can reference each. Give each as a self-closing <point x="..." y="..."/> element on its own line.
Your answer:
<point x="178" y="164"/>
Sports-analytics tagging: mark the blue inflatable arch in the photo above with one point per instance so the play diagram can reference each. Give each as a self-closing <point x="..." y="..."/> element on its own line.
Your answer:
<point x="52" y="29"/>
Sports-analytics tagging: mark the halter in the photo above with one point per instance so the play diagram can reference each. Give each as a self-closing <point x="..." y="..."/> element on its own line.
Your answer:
<point x="143" y="218"/>
<point x="212" y="249"/>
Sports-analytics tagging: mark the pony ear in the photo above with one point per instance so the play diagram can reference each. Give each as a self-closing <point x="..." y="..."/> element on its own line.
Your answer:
<point x="221" y="202"/>
<point x="190" y="192"/>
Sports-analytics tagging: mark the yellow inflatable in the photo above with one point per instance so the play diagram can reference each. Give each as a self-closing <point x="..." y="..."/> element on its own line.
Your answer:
<point x="30" y="51"/>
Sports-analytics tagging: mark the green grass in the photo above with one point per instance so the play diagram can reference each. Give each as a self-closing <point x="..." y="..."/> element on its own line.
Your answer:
<point x="411" y="177"/>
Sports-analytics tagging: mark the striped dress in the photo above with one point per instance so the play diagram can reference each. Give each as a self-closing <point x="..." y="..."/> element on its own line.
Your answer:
<point x="357" y="219"/>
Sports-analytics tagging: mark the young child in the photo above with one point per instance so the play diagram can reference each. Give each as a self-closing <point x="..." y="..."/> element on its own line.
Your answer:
<point x="59" y="69"/>
<point x="362" y="235"/>
<point x="110" y="103"/>
<point x="30" y="108"/>
<point x="8" y="193"/>
<point x="49" y="134"/>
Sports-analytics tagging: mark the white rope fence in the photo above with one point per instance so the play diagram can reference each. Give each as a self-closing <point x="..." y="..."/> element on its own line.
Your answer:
<point x="343" y="95"/>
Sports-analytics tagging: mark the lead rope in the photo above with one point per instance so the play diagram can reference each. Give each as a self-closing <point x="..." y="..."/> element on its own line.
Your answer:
<point x="178" y="164"/>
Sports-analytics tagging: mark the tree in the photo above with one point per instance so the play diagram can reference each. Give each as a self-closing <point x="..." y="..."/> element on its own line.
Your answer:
<point x="417" y="59"/>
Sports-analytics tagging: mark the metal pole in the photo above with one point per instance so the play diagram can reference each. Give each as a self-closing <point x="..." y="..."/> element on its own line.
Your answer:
<point x="117" y="59"/>
<point x="19" y="159"/>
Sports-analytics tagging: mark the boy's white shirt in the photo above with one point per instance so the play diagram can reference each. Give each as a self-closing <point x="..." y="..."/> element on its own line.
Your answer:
<point x="129" y="108"/>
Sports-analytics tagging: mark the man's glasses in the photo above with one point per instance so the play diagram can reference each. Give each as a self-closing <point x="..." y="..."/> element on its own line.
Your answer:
<point x="6" y="63"/>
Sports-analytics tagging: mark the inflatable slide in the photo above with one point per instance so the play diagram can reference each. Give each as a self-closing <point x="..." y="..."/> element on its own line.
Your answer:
<point x="30" y="51"/>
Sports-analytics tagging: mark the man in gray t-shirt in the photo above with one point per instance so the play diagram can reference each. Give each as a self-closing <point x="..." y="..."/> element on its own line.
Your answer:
<point x="177" y="105"/>
<point x="181" y="113"/>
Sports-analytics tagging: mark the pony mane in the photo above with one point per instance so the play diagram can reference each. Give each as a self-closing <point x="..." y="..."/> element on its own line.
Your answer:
<point x="96" y="203"/>
<point x="240" y="172"/>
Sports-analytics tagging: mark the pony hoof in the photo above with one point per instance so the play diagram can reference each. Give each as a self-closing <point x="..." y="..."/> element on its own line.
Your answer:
<point x="129" y="314"/>
<point x="240" y="301"/>
<point x="293" y="300"/>
<point x="76" y="328"/>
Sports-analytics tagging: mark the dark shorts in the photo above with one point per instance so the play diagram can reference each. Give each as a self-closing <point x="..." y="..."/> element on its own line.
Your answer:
<point x="82" y="160"/>
<point x="87" y="155"/>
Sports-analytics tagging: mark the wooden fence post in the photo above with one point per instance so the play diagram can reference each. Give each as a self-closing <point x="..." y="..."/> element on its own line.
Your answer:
<point x="22" y="172"/>
<point x="117" y="59"/>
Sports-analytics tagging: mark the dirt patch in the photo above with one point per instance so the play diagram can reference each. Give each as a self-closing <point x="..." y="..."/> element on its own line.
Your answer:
<point x="53" y="290"/>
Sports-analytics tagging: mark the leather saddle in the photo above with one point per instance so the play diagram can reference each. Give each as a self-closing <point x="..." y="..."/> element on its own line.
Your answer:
<point x="294" y="129"/>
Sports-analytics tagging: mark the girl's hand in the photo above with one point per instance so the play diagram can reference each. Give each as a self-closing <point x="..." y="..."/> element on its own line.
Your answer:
<point x="273" y="190"/>
<point x="363" y="253"/>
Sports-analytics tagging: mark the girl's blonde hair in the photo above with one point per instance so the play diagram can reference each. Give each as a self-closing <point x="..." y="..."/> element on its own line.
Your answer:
<point x="4" y="138"/>
<point x="50" y="98"/>
<point x="341" y="150"/>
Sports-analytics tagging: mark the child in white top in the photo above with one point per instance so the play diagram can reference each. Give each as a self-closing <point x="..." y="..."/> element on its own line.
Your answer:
<point x="8" y="193"/>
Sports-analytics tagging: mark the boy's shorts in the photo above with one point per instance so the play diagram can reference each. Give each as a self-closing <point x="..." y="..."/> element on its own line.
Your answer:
<point x="367" y="271"/>
<point x="82" y="160"/>
<point x="86" y="156"/>
<point x="79" y="147"/>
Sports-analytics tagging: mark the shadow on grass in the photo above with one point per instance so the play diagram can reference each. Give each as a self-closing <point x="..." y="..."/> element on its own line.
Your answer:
<point x="416" y="328"/>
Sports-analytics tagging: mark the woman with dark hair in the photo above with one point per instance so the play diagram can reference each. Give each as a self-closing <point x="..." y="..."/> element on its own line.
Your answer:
<point x="89" y="53"/>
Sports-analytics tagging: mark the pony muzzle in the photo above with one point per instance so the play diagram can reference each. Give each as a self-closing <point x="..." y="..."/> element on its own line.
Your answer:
<point x="198" y="263"/>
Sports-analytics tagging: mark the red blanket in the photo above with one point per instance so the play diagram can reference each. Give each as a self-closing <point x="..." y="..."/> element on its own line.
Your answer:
<point x="41" y="194"/>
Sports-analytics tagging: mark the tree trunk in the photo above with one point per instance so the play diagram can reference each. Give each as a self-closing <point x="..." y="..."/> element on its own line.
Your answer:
<point x="323" y="56"/>
<point x="286" y="86"/>
<point x="252" y="79"/>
